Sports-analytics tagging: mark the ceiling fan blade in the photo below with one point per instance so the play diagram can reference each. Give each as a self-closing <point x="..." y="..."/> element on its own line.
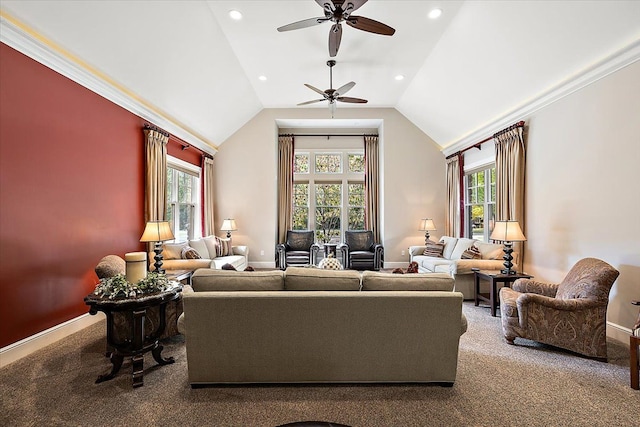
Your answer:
<point x="335" y="36"/>
<point x="366" y="24"/>
<point x="312" y="102"/>
<point x="351" y="100"/>
<point x="303" y="24"/>
<point x="344" y="89"/>
<point x="315" y="89"/>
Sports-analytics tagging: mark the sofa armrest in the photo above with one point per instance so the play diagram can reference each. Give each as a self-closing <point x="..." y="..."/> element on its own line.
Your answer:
<point x="416" y="250"/>
<point x="241" y="250"/>
<point x="534" y="287"/>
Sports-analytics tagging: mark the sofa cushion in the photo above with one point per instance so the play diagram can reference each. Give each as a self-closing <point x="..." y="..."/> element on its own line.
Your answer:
<point x="449" y="245"/>
<point x="318" y="279"/>
<point x="206" y="279"/>
<point x="461" y="245"/>
<point x="237" y="261"/>
<point x="173" y="250"/>
<point x="464" y="266"/>
<point x="490" y="250"/>
<point x="377" y="281"/>
<point x="200" y="246"/>
<point x="184" y="264"/>
<point x="433" y="249"/>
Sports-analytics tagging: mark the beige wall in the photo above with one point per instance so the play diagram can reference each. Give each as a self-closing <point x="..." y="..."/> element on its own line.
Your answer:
<point x="412" y="185"/>
<point x="583" y="199"/>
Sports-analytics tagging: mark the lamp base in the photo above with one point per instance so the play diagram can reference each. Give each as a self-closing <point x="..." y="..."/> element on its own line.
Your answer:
<point x="508" y="249"/>
<point x="426" y="237"/>
<point x="158" y="264"/>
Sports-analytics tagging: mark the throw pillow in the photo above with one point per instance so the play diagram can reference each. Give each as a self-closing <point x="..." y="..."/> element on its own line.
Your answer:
<point x="472" y="253"/>
<point x="223" y="247"/>
<point x="173" y="250"/>
<point x="413" y="267"/>
<point x="434" y="249"/>
<point x="190" y="253"/>
<point x="228" y="266"/>
<point x="249" y="268"/>
<point x="397" y="271"/>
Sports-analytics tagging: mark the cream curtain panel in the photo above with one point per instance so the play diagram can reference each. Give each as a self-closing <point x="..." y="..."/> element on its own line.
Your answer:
<point x="371" y="191"/>
<point x="209" y="220"/>
<point x="510" y="175"/>
<point x="452" y="226"/>
<point x="156" y="175"/>
<point x="285" y="186"/>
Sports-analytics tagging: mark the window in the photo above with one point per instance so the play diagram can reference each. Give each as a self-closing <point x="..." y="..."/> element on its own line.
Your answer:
<point x="480" y="187"/>
<point x="328" y="192"/>
<point x="183" y="199"/>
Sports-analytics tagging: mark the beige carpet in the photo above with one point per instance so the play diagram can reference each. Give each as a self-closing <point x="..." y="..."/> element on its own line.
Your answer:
<point x="497" y="385"/>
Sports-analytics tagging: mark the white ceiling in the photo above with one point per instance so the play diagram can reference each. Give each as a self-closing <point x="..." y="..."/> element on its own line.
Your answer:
<point x="478" y="62"/>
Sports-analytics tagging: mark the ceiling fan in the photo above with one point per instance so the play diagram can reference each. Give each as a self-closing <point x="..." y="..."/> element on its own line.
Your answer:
<point x="338" y="11"/>
<point x="332" y="95"/>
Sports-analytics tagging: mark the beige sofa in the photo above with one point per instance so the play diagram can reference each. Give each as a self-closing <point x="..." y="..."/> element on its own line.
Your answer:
<point x="307" y="325"/>
<point x="460" y="269"/>
<point x="172" y="256"/>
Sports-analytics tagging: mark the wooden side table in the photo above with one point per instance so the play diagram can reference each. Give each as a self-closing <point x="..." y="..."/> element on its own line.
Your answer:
<point x="493" y="277"/>
<point x="135" y="310"/>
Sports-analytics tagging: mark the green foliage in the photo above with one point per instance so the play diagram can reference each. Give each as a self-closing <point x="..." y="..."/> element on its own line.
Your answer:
<point x="301" y="163"/>
<point x="118" y="287"/>
<point x="356" y="163"/>
<point x="328" y="163"/>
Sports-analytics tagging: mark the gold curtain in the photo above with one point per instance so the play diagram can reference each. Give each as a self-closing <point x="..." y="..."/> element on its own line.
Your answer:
<point x="285" y="186"/>
<point x="156" y="175"/>
<point x="452" y="224"/>
<point x="510" y="175"/>
<point x="372" y="198"/>
<point x="209" y="223"/>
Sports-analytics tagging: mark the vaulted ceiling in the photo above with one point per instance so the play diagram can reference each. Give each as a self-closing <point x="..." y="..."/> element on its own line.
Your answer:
<point x="191" y="62"/>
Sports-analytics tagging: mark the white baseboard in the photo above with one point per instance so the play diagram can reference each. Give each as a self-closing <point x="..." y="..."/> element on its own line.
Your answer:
<point x="618" y="333"/>
<point x="25" y="347"/>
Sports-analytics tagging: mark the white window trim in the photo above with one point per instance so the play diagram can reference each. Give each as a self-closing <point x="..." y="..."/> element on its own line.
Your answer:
<point x="179" y="164"/>
<point x="483" y="167"/>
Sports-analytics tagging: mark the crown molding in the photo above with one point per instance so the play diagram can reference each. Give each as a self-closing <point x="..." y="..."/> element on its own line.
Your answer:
<point x="20" y="37"/>
<point x="609" y="65"/>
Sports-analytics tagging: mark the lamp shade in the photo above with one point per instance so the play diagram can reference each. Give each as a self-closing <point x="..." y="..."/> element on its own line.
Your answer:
<point x="229" y="225"/>
<point x="157" y="231"/>
<point x="427" y="224"/>
<point x="507" y="231"/>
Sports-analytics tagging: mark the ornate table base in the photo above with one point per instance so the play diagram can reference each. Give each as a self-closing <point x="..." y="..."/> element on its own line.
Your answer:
<point x="126" y="331"/>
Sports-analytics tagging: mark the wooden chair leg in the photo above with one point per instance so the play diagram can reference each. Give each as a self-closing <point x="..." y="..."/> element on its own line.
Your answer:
<point x="634" y="342"/>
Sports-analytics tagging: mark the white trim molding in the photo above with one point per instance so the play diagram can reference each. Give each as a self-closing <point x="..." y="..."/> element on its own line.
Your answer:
<point x="618" y="333"/>
<point x="609" y="65"/>
<point x="25" y="347"/>
<point x="37" y="47"/>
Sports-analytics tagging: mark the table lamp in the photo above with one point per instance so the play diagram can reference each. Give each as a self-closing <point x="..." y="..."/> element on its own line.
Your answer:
<point x="507" y="232"/>
<point x="426" y="225"/>
<point x="158" y="232"/>
<point x="229" y="225"/>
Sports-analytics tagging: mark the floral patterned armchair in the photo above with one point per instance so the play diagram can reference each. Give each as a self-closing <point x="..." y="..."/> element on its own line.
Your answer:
<point x="570" y="315"/>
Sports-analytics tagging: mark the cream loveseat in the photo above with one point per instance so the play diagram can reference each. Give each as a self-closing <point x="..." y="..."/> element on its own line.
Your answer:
<point x="307" y="325"/>
<point x="173" y="255"/>
<point x="451" y="262"/>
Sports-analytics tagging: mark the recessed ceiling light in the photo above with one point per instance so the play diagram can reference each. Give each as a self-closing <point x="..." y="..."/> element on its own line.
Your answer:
<point x="234" y="14"/>
<point x="262" y="78"/>
<point x="399" y="77"/>
<point x="435" y="13"/>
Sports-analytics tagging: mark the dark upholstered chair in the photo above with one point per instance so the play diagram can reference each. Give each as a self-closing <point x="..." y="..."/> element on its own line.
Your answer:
<point x="299" y="249"/>
<point x="570" y="315"/>
<point x="360" y="252"/>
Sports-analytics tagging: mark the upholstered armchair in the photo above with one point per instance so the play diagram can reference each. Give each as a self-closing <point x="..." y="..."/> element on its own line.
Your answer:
<point x="570" y="315"/>
<point x="299" y="249"/>
<point x="360" y="252"/>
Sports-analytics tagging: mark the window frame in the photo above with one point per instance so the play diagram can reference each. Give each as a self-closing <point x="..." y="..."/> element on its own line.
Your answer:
<point x="488" y="203"/>
<point x="344" y="178"/>
<point x="177" y="165"/>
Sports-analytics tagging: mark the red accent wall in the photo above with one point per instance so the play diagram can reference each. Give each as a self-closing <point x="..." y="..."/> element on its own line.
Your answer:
<point x="71" y="192"/>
